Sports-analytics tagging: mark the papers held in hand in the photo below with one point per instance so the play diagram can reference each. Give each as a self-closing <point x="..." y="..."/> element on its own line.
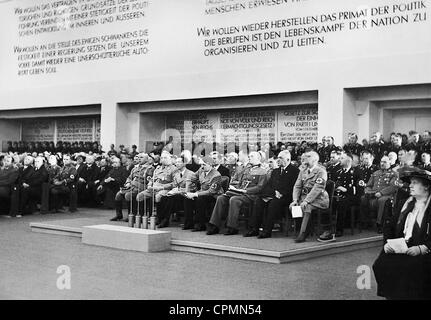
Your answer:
<point x="236" y="190"/>
<point x="296" y="212"/>
<point x="399" y="245"/>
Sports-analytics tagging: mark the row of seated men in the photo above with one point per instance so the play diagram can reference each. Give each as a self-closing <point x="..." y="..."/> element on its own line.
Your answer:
<point x="22" y="185"/>
<point x="205" y="196"/>
<point x="208" y="199"/>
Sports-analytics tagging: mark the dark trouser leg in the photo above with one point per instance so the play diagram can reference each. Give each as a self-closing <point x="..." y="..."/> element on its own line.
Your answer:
<point x="256" y="218"/>
<point x="119" y="204"/>
<point x="343" y="206"/>
<point x="275" y="210"/>
<point x="189" y="206"/>
<point x="204" y="204"/>
<point x="24" y="198"/>
<point x="381" y="208"/>
<point x="57" y="192"/>
<point x="364" y="209"/>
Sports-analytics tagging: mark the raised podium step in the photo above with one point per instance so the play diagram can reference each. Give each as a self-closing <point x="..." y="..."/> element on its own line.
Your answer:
<point x="127" y="238"/>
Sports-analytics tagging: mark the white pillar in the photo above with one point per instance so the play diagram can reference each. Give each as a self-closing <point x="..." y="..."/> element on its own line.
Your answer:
<point x="331" y="114"/>
<point x="113" y="125"/>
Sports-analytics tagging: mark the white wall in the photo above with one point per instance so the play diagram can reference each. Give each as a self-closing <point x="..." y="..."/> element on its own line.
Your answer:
<point x="175" y="67"/>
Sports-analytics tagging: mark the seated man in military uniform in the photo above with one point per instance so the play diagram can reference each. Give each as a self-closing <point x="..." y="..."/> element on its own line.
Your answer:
<point x="199" y="205"/>
<point x="62" y="183"/>
<point x="345" y="195"/>
<point x="135" y="183"/>
<point x="381" y="187"/>
<point x="309" y="190"/>
<point x="184" y="181"/>
<point x="246" y="191"/>
<point x="159" y="185"/>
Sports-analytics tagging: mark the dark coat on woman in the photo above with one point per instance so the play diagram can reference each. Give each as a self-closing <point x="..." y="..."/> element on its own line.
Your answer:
<point x="400" y="276"/>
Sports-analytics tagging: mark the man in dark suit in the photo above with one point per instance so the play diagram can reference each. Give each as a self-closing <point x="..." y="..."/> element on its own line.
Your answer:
<point x="31" y="182"/>
<point x="86" y="182"/>
<point x="276" y="194"/>
<point x="218" y="160"/>
<point x="334" y="165"/>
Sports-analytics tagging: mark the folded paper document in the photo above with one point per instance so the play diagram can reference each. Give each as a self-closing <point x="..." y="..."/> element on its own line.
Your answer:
<point x="399" y="245"/>
<point x="296" y="212"/>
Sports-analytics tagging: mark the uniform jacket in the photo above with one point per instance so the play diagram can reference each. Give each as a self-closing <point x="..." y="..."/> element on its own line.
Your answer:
<point x="186" y="181"/>
<point x="239" y="168"/>
<point x="353" y="148"/>
<point x="382" y="181"/>
<point x="209" y="184"/>
<point x="252" y="179"/>
<point x="325" y="153"/>
<point x="364" y="174"/>
<point x="332" y="170"/>
<point x="52" y="172"/>
<point x="67" y="175"/>
<point x="283" y="181"/>
<point x="348" y="179"/>
<point x="164" y="176"/>
<point x="137" y="179"/>
<point x="310" y="187"/>
<point x="231" y="168"/>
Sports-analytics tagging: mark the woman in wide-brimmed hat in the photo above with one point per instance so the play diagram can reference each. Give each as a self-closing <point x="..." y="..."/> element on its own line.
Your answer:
<point x="407" y="273"/>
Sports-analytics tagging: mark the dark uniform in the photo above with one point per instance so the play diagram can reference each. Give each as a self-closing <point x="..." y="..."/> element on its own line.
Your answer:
<point x="353" y="148"/>
<point x="252" y="179"/>
<point x="325" y="153"/>
<point x="208" y="188"/>
<point x="184" y="181"/>
<point x="332" y="170"/>
<point x="364" y="175"/>
<point x="382" y="181"/>
<point x="378" y="149"/>
<point x="343" y="201"/>
<point x="62" y="184"/>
